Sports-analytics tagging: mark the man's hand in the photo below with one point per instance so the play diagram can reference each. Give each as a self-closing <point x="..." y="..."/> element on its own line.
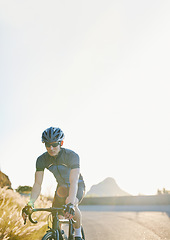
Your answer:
<point x="25" y="212"/>
<point x="69" y="211"/>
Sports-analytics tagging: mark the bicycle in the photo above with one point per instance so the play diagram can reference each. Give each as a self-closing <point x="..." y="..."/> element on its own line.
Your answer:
<point x="55" y="232"/>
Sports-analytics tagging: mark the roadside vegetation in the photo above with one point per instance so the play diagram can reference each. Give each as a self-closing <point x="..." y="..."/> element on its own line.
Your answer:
<point x="11" y="222"/>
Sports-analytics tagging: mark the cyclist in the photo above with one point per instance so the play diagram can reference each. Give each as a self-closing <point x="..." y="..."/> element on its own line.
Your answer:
<point x="65" y="166"/>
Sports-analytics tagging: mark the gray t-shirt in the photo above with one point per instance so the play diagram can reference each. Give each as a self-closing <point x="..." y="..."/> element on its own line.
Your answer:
<point x="60" y="166"/>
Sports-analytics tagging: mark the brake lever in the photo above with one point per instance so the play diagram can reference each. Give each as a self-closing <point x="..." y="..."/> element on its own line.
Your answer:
<point x="25" y="221"/>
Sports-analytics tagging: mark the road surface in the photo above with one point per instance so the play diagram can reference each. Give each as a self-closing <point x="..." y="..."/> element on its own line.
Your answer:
<point x="126" y="223"/>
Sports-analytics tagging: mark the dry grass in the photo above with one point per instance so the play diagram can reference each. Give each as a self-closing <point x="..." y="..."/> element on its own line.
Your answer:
<point x="11" y="222"/>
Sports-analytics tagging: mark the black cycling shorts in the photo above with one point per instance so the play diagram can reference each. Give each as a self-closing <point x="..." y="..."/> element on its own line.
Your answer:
<point x="59" y="198"/>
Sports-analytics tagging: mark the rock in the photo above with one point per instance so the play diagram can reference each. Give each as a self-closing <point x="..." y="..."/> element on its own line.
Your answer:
<point x="4" y="180"/>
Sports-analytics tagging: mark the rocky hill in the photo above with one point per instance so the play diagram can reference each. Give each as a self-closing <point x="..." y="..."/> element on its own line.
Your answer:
<point x="107" y="188"/>
<point x="4" y="180"/>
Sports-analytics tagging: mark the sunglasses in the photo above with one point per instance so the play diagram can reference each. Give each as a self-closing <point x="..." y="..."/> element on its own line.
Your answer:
<point x="52" y="144"/>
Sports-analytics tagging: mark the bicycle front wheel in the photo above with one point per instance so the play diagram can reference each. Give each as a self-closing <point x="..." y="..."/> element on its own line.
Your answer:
<point x="50" y="236"/>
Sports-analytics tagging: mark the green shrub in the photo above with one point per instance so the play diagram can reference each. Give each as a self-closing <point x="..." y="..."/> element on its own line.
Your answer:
<point x="22" y="189"/>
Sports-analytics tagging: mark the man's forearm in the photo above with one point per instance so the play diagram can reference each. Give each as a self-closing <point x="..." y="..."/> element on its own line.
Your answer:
<point x="73" y="192"/>
<point x="74" y="176"/>
<point x="35" y="192"/>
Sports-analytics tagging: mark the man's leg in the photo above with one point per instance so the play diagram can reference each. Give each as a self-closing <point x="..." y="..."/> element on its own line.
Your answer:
<point x="78" y="219"/>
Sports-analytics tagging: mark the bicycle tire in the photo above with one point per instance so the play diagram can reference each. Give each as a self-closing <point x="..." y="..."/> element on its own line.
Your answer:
<point x="82" y="233"/>
<point x="50" y="236"/>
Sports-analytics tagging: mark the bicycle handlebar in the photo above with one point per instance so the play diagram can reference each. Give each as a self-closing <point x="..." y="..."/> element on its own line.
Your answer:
<point x="51" y="209"/>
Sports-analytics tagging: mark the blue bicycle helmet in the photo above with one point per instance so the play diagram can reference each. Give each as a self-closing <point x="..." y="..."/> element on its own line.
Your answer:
<point x="52" y="134"/>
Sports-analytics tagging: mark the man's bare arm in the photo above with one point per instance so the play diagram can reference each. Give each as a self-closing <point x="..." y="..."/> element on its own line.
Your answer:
<point x="74" y="176"/>
<point x="36" y="190"/>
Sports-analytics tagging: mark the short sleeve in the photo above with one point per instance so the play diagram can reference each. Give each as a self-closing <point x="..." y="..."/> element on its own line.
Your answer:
<point x="40" y="164"/>
<point x="74" y="160"/>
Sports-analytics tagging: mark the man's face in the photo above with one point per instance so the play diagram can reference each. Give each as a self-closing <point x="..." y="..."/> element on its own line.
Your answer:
<point x="51" y="149"/>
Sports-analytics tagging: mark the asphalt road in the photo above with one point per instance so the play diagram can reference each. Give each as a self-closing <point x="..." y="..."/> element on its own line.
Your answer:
<point x="126" y="222"/>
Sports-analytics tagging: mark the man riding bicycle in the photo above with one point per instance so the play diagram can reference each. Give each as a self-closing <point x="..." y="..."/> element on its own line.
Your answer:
<point x="65" y="166"/>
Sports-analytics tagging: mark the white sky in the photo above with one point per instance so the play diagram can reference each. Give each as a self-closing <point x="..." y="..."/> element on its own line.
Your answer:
<point x="100" y="71"/>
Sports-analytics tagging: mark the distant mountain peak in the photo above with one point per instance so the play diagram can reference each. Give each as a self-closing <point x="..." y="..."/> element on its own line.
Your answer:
<point x="109" y="179"/>
<point x="108" y="187"/>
